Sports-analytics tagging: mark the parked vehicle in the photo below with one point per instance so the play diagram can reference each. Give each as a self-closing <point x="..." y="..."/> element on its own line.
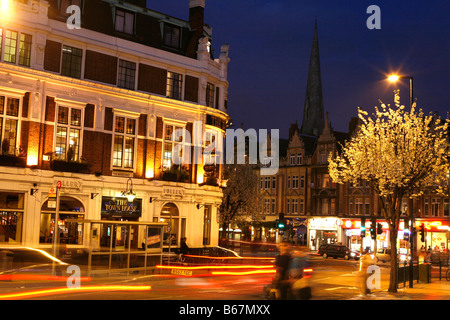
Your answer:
<point x="384" y="255"/>
<point x="337" y="251"/>
<point x="25" y="260"/>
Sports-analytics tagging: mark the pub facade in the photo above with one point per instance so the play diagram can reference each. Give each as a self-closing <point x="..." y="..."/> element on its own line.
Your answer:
<point x="88" y="116"/>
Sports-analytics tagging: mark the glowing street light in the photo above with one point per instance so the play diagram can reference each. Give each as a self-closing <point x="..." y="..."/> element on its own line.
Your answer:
<point x="396" y="77"/>
<point x="393" y="78"/>
<point x="4" y="6"/>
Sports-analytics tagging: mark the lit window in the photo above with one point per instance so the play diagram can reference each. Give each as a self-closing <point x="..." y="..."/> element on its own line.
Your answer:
<point x="124" y="142"/>
<point x="68" y="133"/>
<point x="25" y="50"/>
<point x="174" y="85"/>
<point x="169" y="145"/>
<point x="9" y="119"/>
<point x="10" y="46"/>
<point x="210" y="95"/>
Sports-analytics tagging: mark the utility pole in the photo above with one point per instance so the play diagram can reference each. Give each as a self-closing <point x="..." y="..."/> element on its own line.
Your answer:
<point x="56" y="227"/>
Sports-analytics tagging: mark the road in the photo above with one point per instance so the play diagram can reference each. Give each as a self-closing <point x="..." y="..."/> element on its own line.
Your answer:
<point x="333" y="279"/>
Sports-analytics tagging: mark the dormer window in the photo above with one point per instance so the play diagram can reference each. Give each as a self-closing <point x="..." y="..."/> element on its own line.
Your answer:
<point x="171" y="35"/>
<point x="124" y="21"/>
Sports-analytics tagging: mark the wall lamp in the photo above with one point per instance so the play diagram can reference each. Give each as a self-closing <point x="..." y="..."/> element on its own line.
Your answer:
<point x="152" y="198"/>
<point x="93" y="195"/>
<point x="200" y="205"/>
<point x="129" y="193"/>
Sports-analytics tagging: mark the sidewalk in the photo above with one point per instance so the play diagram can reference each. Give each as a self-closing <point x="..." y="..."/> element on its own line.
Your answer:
<point x="436" y="290"/>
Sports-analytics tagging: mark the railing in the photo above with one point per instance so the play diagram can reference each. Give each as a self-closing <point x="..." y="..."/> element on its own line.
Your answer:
<point x="110" y="249"/>
<point x="440" y="262"/>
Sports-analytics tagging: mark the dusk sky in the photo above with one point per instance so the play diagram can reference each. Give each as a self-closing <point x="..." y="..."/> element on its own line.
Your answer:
<point x="270" y="44"/>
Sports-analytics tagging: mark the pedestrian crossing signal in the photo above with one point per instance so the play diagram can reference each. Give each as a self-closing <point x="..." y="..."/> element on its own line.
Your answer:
<point x="363" y="227"/>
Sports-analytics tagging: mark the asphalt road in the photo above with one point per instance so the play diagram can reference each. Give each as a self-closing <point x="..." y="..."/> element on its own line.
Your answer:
<point x="333" y="279"/>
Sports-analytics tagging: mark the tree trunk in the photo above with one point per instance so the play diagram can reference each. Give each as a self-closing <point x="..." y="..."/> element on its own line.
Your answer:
<point x="393" y="277"/>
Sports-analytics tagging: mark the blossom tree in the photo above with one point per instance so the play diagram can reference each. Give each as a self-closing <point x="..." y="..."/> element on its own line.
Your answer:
<point x="399" y="153"/>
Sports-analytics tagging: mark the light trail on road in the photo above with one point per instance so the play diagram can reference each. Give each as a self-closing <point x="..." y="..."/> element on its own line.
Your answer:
<point x="63" y="290"/>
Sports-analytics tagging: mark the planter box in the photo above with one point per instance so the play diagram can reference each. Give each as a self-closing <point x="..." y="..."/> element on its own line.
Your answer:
<point x="69" y="166"/>
<point x="12" y="161"/>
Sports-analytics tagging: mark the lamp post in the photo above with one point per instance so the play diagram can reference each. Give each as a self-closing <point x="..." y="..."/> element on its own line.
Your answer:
<point x="395" y="78"/>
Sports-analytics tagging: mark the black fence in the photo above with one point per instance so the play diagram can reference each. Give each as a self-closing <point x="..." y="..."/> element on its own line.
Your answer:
<point x="421" y="273"/>
<point x="435" y="266"/>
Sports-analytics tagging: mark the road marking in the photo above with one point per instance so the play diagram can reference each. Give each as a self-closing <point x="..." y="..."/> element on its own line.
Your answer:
<point x="337" y="288"/>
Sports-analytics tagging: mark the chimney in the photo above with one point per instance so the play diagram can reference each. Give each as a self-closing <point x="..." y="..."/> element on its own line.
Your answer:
<point x="196" y="15"/>
<point x="196" y="21"/>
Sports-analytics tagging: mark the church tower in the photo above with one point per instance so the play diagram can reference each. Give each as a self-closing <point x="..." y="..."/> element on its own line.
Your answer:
<point x="313" y="114"/>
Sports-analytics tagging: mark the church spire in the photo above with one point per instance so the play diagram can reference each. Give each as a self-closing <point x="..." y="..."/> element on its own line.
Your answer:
<point x="313" y="117"/>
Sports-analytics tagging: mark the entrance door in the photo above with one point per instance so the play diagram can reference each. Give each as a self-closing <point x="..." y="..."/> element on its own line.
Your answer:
<point x="170" y="215"/>
<point x="119" y="234"/>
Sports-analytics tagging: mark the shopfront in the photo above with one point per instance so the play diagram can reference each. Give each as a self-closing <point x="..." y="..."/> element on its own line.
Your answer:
<point x="69" y="232"/>
<point x="323" y="231"/>
<point x="116" y="235"/>
<point x="11" y="217"/>
<point x="437" y="235"/>
<point x="352" y="235"/>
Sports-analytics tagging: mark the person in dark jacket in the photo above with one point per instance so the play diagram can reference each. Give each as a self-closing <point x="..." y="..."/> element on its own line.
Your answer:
<point x="184" y="248"/>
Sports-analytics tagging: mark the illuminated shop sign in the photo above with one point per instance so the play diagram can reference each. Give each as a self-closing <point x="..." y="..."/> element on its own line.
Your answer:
<point x="324" y="223"/>
<point x="433" y="225"/>
<point x="119" y="206"/>
<point x="356" y="224"/>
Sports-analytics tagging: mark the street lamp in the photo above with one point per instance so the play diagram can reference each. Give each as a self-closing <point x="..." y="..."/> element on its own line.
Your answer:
<point x="395" y="78"/>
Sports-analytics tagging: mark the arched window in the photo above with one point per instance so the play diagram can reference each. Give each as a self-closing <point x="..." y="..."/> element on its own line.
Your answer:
<point x="69" y="232"/>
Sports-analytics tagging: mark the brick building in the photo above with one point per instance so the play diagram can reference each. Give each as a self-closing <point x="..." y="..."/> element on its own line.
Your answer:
<point x="94" y="108"/>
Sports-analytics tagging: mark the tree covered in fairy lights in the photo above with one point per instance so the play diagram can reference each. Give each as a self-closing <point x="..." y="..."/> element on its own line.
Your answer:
<point x="399" y="153"/>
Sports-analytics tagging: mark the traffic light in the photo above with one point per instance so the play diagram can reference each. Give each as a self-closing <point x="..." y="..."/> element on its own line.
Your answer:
<point x="363" y="227"/>
<point x="373" y="229"/>
<point x="281" y="223"/>
<point x="379" y="228"/>
<point x="422" y="232"/>
<point x="406" y="229"/>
